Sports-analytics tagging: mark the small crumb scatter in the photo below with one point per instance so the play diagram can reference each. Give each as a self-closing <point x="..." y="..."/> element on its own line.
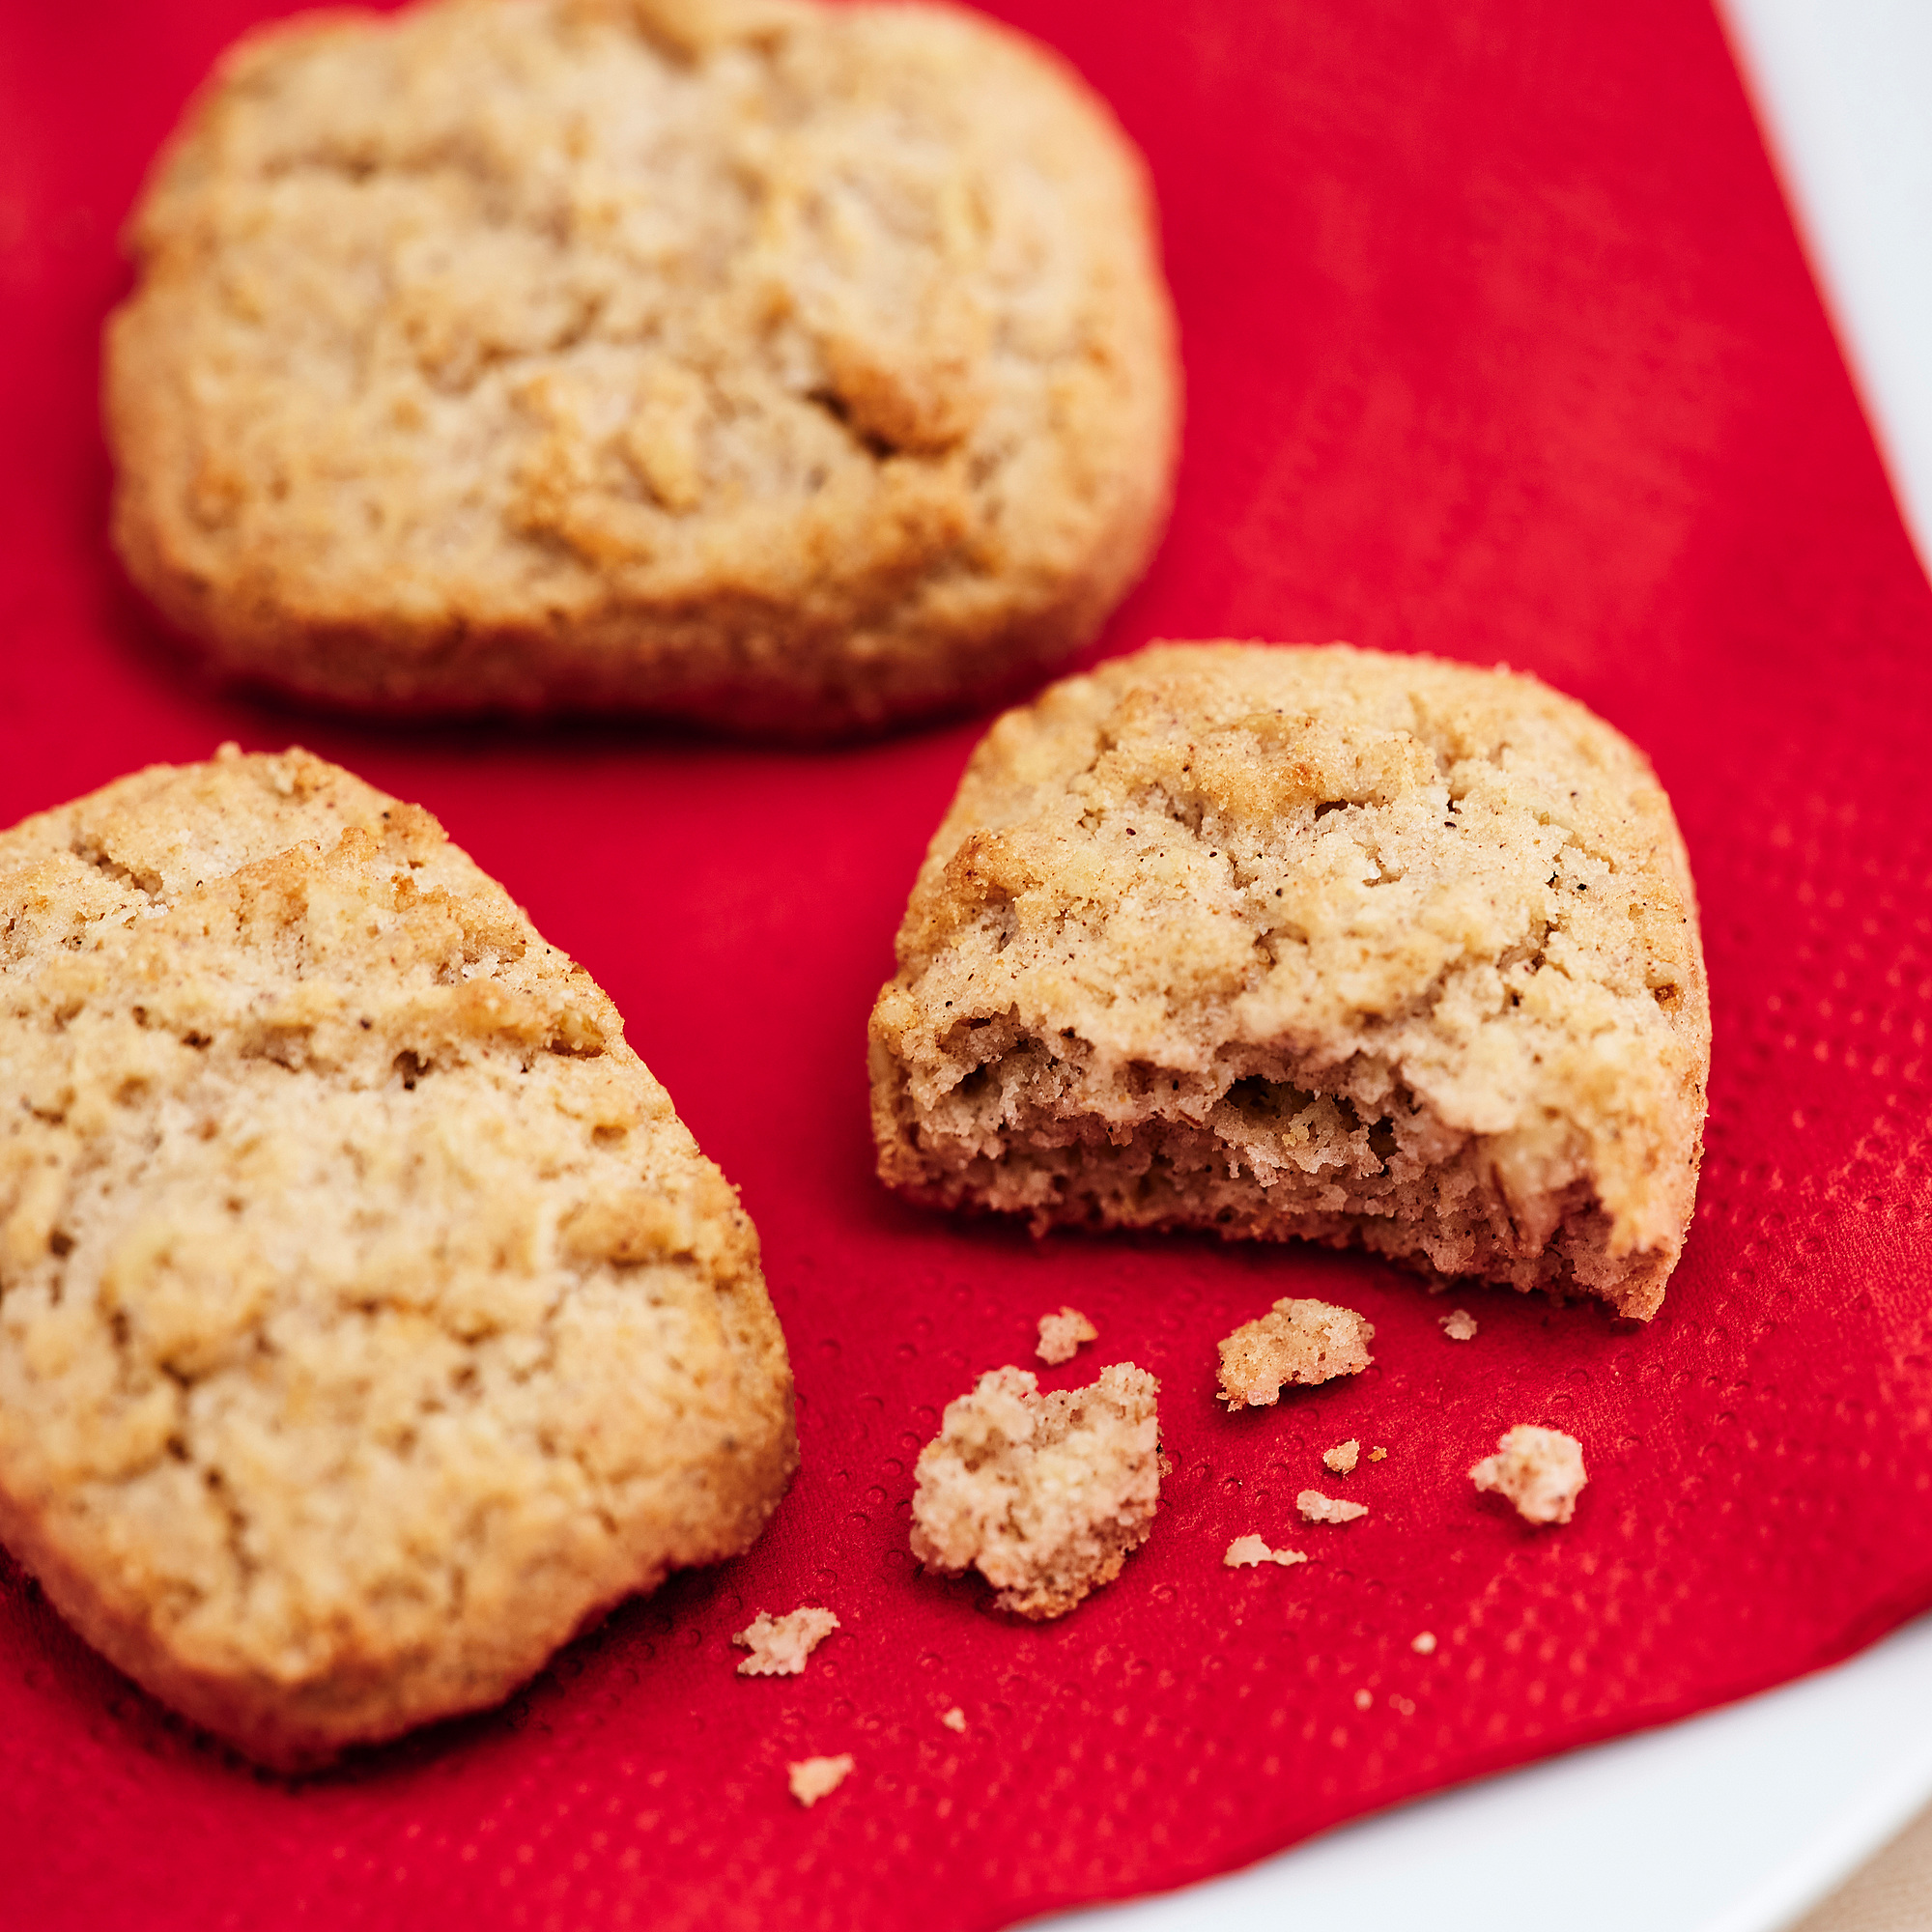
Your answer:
<point x="816" y="1777"/>
<point x="953" y="1719"/>
<point x="1460" y="1325"/>
<point x="1246" y="1551"/>
<point x="1062" y="1334"/>
<point x="1315" y="1507"/>
<point x="779" y="1645"/>
<point x="1294" y="1342"/>
<point x="1540" y="1470"/>
<point x="1363" y="1699"/>
<point x="1378" y="1455"/>
<point x="1424" y="1644"/>
<point x="1343" y="1458"/>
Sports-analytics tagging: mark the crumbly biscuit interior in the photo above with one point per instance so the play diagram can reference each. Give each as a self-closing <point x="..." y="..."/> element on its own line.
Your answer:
<point x="1317" y="942"/>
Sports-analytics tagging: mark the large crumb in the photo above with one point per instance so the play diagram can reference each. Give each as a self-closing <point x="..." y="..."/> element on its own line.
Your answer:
<point x="1540" y="1470"/>
<point x="1062" y="1334"/>
<point x="1315" y="1507"/>
<point x="1294" y="1342"/>
<point x="1343" y="1458"/>
<point x="1247" y="1551"/>
<point x="779" y="1645"/>
<point x="953" y="1719"/>
<point x="1045" y="1495"/>
<point x="1460" y="1325"/>
<point x="816" y="1777"/>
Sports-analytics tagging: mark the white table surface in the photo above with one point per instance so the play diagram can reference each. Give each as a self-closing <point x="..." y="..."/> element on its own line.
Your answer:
<point x="1743" y="1819"/>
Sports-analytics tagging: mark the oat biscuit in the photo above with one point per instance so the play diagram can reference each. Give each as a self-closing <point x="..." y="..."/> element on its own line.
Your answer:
<point x="786" y="366"/>
<point x="1292" y="941"/>
<point x="369" y="1322"/>
<point x="1046" y="1497"/>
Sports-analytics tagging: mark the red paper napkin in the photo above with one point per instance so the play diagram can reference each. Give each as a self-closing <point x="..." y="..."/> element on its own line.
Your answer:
<point x="1498" y="345"/>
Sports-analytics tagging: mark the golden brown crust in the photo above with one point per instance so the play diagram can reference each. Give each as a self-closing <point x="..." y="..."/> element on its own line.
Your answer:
<point x="1309" y="941"/>
<point x="789" y="367"/>
<point x="368" y="1321"/>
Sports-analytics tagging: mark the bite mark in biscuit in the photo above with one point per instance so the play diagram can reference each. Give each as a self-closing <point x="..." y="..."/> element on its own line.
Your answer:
<point x="1278" y="941"/>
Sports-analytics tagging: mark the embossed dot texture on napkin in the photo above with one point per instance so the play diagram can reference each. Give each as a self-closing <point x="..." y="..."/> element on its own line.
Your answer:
<point x="1498" y="344"/>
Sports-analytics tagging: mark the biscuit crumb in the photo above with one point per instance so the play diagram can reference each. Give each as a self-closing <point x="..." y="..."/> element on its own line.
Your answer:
<point x="1540" y="1470"/>
<point x="779" y="1645"/>
<point x="1245" y="1551"/>
<point x="1404" y="1705"/>
<point x="1294" y="1342"/>
<point x="1315" y="1507"/>
<point x="1363" y="1699"/>
<point x="1378" y="1455"/>
<point x="1061" y="1335"/>
<point x="816" y="1777"/>
<point x="1424" y="1644"/>
<point x="1046" y="1497"/>
<point x="1343" y="1458"/>
<point x="953" y="1719"/>
<point x="1459" y="1324"/>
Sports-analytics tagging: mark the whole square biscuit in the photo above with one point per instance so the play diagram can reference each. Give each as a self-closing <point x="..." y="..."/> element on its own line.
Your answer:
<point x="1296" y="941"/>
<point x="791" y="367"/>
<point x="369" y="1322"/>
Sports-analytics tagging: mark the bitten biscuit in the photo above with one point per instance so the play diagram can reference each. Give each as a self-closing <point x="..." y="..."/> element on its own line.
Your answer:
<point x="368" y="1321"/>
<point x="1288" y="940"/>
<point x="791" y="367"/>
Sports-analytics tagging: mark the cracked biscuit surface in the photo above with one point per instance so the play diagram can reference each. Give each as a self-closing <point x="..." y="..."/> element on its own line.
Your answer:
<point x="790" y="367"/>
<point x="1309" y="941"/>
<point x="369" y="1322"/>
